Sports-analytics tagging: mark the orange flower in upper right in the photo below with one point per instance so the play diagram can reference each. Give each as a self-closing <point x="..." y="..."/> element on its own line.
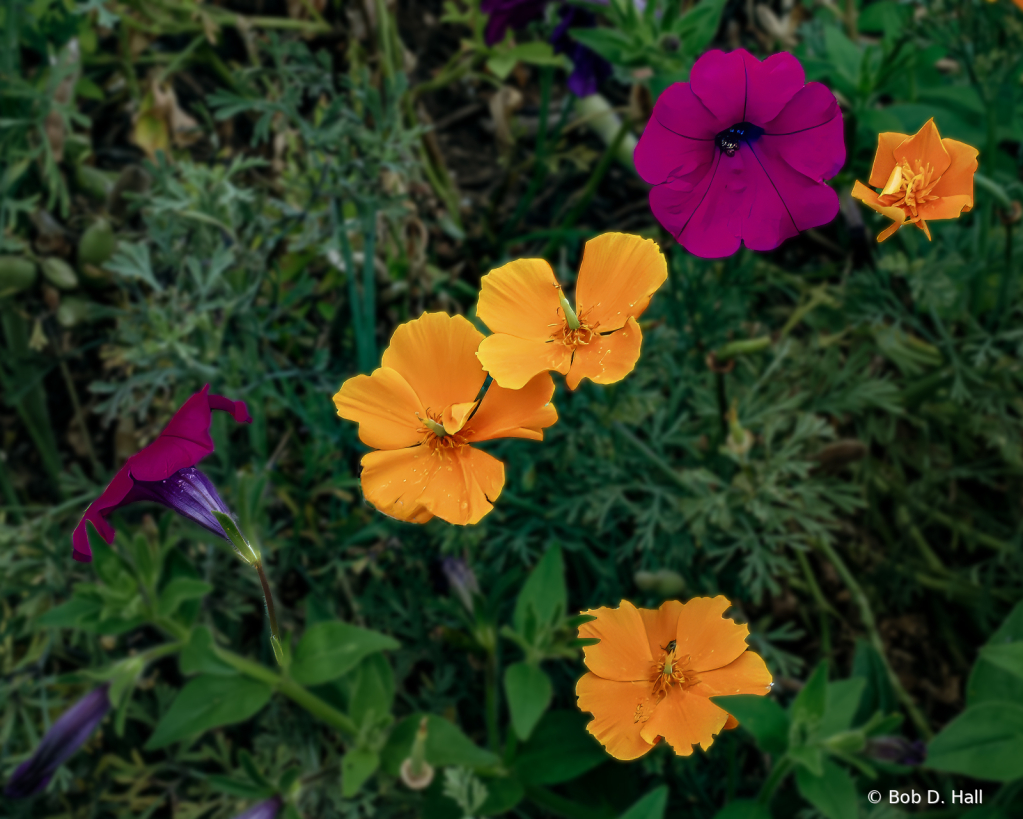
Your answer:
<point x="535" y="329"/>
<point x="653" y="672"/>
<point x="921" y="177"/>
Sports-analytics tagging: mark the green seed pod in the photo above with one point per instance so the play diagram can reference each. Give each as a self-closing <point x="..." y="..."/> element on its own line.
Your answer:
<point x="94" y="182"/>
<point x="76" y="148"/>
<point x="97" y="244"/>
<point x="59" y="273"/>
<point x="73" y="310"/>
<point x="665" y="582"/>
<point x="16" y="274"/>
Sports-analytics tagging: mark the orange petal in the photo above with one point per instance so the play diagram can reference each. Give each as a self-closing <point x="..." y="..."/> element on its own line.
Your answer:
<point x="889" y="231"/>
<point x="730" y="723"/>
<point x="521" y="299"/>
<point x="661" y="625"/>
<point x="393" y="481"/>
<point x="618" y="275"/>
<point x="870" y="198"/>
<point x="436" y="355"/>
<point x="958" y="179"/>
<point x="747" y="674"/>
<point x="925" y="147"/>
<point x="463" y="486"/>
<point x="707" y="638"/>
<point x="948" y="207"/>
<point x="384" y="406"/>
<point x="614" y="706"/>
<point x="685" y="720"/>
<point x="454" y="417"/>
<point x="884" y="159"/>
<point x="623" y="652"/>
<point x="521" y="413"/>
<point x="514" y="361"/>
<point x="607" y="359"/>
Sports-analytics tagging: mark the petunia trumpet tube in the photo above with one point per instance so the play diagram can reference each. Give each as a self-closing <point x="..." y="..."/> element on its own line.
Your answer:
<point x="64" y="738"/>
<point x="739" y="154"/>
<point x="165" y="472"/>
<point x="268" y="809"/>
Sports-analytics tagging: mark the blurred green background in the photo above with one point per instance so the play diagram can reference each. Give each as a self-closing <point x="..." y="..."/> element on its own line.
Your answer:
<point x="254" y="193"/>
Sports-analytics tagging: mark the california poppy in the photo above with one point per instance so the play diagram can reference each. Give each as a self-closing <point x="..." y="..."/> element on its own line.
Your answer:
<point x="164" y="472"/>
<point x="535" y="329"/>
<point x="421" y="410"/>
<point x="59" y="744"/>
<point x="920" y="177"/>
<point x="654" y="670"/>
<point x="739" y="154"/>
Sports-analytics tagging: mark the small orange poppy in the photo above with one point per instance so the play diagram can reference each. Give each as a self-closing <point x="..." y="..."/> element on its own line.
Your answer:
<point x="421" y="410"/>
<point x="921" y="177"/>
<point x="654" y="670"/>
<point x="536" y="330"/>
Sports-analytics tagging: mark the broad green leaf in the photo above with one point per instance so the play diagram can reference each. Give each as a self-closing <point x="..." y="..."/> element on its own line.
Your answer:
<point x="209" y="702"/>
<point x="559" y="749"/>
<point x="833" y="793"/>
<point x="743" y="809"/>
<point x="990" y="682"/>
<point x="177" y="591"/>
<point x="78" y="612"/>
<point x="844" y="55"/>
<point x="357" y="765"/>
<point x="503" y="794"/>
<point x="699" y="25"/>
<point x="983" y="742"/>
<point x="810" y="757"/>
<point x="198" y="657"/>
<point x="445" y="745"/>
<point x="842" y="700"/>
<point x="372" y="691"/>
<point x="808" y="708"/>
<point x="529" y="693"/>
<point x="609" y="43"/>
<point x="328" y="650"/>
<point x="651" y="806"/>
<point x="544" y="592"/>
<point x="762" y="717"/>
<point x="1008" y="657"/>
<point x="886" y="16"/>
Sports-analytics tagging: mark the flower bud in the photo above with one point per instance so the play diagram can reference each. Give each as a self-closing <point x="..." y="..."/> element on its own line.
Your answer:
<point x="462" y="579"/>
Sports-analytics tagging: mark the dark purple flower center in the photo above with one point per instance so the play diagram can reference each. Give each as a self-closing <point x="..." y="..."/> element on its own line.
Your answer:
<point x="730" y="139"/>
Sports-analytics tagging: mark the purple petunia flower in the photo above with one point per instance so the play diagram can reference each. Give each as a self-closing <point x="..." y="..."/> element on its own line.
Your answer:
<point x="509" y="14"/>
<point x="165" y="472"/>
<point x="462" y="579"/>
<point x="65" y="737"/>
<point x="898" y="750"/>
<point x="264" y="810"/>
<point x="738" y="154"/>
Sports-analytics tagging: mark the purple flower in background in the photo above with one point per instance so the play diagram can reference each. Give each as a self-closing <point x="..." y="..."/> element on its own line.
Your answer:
<point x="264" y="810"/>
<point x="65" y="737"/>
<point x="462" y="579"/>
<point x="165" y="472"/>
<point x="739" y="154"/>
<point x="898" y="750"/>
<point x="589" y="68"/>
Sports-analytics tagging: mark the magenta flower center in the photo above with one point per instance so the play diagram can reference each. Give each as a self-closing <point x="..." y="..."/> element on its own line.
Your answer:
<point x="730" y="139"/>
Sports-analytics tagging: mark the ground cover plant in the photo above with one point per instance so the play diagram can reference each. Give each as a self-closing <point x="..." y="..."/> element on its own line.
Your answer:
<point x="511" y="407"/>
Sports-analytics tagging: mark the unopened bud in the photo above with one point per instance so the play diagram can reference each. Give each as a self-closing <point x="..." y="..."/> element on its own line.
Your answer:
<point x="416" y="772"/>
<point x="666" y="582"/>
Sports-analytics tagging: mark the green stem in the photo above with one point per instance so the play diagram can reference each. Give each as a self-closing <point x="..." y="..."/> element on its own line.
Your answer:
<point x="774" y="779"/>
<point x="870" y="624"/>
<point x="492" y="702"/>
<point x="745" y="346"/>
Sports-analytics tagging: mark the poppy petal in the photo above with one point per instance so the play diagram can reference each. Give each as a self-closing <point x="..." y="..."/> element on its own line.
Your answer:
<point x="513" y="362"/>
<point x="925" y="147"/>
<point x="685" y="720"/>
<point x="948" y="207"/>
<point x="523" y="413"/>
<point x="808" y="134"/>
<point x="661" y="625"/>
<point x="463" y="486"/>
<point x="521" y="299"/>
<point x="747" y="674"/>
<point x="958" y="179"/>
<point x="618" y="275"/>
<point x="607" y="358"/>
<point x="615" y="706"/>
<point x="436" y="355"/>
<point x="706" y="637"/>
<point x="678" y="138"/>
<point x="394" y="480"/>
<point x="384" y="406"/>
<point x="455" y="416"/>
<point x="623" y="652"/>
<point x="780" y="201"/>
<point x="884" y="159"/>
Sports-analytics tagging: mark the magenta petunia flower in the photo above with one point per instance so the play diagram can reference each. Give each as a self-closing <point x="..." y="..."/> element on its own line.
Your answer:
<point x="165" y="472"/>
<point x="739" y="154"/>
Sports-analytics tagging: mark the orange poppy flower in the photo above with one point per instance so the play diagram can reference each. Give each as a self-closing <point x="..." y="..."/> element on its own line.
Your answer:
<point x="921" y="177"/>
<point x="536" y="330"/>
<point x="654" y="670"/>
<point x="421" y="410"/>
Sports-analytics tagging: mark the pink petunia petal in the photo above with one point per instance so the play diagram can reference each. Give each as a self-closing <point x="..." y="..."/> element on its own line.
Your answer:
<point x="678" y="138"/>
<point x="770" y="85"/>
<point x="808" y="133"/>
<point x="719" y="80"/>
